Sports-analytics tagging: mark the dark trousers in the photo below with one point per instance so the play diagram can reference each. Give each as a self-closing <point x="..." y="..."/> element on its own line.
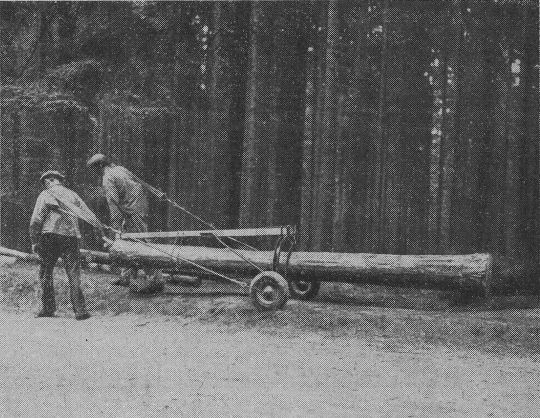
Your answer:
<point x="51" y="247"/>
<point x="137" y="223"/>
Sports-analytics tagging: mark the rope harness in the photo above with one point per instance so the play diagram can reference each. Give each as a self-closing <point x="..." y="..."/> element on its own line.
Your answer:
<point x="89" y="217"/>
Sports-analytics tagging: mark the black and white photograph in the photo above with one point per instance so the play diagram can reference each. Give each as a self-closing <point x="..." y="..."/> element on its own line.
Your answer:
<point x="302" y="208"/>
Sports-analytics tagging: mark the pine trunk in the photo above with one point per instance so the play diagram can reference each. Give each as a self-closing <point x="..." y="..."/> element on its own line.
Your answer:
<point x="462" y="272"/>
<point x="326" y="146"/>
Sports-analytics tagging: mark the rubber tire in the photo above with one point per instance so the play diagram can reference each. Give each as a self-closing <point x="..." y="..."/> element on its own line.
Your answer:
<point x="309" y="293"/>
<point x="279" y="286"/>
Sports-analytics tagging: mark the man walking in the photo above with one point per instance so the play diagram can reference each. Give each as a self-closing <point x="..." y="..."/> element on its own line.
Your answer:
<point x="128" y="207"/>
<point x="54" y="232"/>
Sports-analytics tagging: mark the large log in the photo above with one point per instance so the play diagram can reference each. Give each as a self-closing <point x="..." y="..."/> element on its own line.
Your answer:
<point x="472" y="271"/>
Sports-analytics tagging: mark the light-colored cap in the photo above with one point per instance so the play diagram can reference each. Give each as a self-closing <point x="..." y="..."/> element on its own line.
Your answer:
<point x="51" y="173"/>
<point x="95" y="159"/>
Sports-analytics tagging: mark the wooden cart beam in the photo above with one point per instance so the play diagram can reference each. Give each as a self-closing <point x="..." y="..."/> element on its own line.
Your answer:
<point x="249" y="232"/>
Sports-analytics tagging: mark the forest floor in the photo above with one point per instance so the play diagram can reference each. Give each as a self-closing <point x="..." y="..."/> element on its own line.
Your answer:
<point x="353" y="351"/>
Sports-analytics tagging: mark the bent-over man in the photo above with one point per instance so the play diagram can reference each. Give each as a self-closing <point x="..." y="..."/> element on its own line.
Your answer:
<point x="128" y="207"/>
<point x="54" y="232"/>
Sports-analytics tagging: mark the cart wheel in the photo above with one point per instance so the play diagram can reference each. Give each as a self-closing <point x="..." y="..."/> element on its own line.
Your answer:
<point x="304" y="290"/>
<point x="269" y="291"/>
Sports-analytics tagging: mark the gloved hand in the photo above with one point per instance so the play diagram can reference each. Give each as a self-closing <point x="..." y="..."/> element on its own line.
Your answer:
<point x="36" y="249"/>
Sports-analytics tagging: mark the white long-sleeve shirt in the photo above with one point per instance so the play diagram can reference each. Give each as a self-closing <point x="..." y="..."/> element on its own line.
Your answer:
<point x="48" y="216"/>
<point x="125" y="195"/>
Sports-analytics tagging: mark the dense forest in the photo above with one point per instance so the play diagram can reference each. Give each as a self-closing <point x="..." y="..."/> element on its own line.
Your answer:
<point x="375" y="126"/>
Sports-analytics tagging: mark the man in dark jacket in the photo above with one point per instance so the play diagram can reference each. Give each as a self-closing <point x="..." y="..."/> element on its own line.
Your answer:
<point x="128" y="207"/>
<point x="54" y="232"/>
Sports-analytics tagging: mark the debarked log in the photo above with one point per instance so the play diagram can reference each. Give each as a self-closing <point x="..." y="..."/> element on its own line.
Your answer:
<point x="461" y="272"/>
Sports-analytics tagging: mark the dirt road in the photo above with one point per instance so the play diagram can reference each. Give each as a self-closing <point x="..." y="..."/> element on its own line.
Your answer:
<point x="142" y="366"/>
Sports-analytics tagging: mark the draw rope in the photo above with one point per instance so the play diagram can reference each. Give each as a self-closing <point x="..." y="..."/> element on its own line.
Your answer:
<point x="162" y="195"/>
<point x="89" y="217"/>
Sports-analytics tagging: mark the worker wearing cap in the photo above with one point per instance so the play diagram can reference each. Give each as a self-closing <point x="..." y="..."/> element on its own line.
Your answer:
<point x="128" y="207"/>
<point x="55" y="233"/>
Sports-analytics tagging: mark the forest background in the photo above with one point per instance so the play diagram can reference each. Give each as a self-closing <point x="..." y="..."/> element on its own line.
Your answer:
<point x="375" y="126"/>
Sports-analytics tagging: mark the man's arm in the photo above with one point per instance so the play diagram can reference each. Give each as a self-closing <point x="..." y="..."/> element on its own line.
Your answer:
<point x="113" y="200"/>
<point x="37" y="219"/>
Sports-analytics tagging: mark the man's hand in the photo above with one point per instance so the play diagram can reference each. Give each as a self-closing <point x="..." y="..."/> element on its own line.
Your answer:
<point x="36" y="248"/>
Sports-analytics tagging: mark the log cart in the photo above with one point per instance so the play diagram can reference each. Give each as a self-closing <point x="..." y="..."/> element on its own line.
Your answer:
<point x="285" y="272"/>
<point x="269" y="288"/>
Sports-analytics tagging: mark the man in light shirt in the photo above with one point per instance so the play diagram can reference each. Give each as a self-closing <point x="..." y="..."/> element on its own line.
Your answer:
<point x="128" y="208"/>
<point x="54" y="232"/>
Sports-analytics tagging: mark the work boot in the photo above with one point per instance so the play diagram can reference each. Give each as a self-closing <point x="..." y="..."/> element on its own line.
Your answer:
<point x="44" y="314"/>
<point x="184" y="280"/>
<point x="82" y="316"/>
<point x="121" y="282"/>
<point x="145" y="288"/>
<point x="156" y="287"/>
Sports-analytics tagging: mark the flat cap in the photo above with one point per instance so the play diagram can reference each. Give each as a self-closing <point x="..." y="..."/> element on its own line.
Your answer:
<point x="95" y="159"/>
<point x="51" y="173"/>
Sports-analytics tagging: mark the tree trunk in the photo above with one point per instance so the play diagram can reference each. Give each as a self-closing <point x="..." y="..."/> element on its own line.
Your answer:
<point x="314" y="98"/>
<point x="250" y="163"/>
<point x="463" y="272"/>
<point x="217" y="112"/>
<point x="237" y="111"/>
<point x="326" y="146"/>
<point x="530" y="150"/>
<point x="377" y="197"/>
<point x="340" y="181"/>
<point x="291" y="44"/>
<point x="453" y="134"/>
<point x="16" y="147"/>
<point x="43" y="43"/>
<point x="67" y="27"/>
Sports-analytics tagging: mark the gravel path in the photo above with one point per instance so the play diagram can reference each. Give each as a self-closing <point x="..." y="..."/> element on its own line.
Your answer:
<point x="142" y="366"/>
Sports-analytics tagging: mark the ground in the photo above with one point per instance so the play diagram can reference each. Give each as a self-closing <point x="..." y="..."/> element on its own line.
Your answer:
<point x="354" y="351"/>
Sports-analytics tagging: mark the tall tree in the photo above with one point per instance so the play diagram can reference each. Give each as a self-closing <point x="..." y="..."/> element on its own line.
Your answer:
<point x="325" y="157"/>
<point x="258" y="193"/>
<point x="314" y="96"/>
